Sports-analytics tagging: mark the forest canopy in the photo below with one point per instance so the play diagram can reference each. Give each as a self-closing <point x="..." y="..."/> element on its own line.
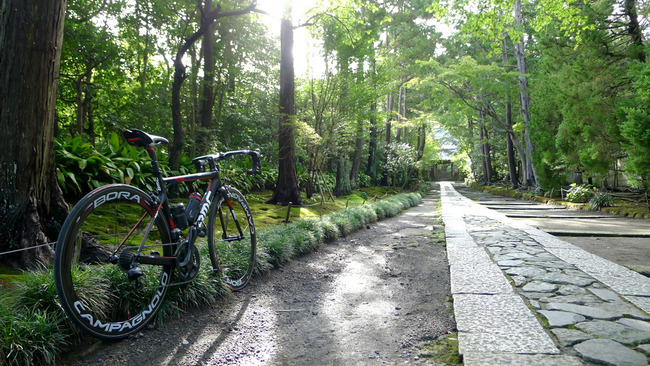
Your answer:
<point x="535" y="93"/>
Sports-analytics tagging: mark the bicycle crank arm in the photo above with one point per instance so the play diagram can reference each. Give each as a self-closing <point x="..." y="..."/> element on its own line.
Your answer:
<point x="156" y="260"/>
<point x="233" y="238"/>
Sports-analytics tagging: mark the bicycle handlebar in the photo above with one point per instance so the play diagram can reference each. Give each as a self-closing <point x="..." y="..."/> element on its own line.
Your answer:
<point x="142" y="139"/>
<point x="255" y="155"/>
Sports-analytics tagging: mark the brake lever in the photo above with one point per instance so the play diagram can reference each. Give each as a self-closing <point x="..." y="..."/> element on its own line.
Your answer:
<point x="255" y="155"/>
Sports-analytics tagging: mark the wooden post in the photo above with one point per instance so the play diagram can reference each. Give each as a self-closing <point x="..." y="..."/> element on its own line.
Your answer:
<point x="288" y="213"/>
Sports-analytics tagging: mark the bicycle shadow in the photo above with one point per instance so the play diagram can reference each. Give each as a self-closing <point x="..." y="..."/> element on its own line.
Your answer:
<point x="214" y="333"/>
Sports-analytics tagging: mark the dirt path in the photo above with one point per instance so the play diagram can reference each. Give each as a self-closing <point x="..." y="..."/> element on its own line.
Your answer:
<point x="371" y="298"/>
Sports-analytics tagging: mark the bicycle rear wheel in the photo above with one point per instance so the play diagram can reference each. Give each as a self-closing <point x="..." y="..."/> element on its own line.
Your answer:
<point x="231" y="239"/>
<point x="94" y="252"/>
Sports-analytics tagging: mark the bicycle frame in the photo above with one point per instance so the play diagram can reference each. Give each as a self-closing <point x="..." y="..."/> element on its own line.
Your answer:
<point x="215" y="188"/>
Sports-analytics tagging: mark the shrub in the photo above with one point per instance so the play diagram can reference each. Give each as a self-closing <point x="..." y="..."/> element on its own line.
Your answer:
<point x="82" y="167"/>
<point x="274" y="242"/>
<point x="580" y="193"/>
<point x="599" y="201"/>
<point x="330" y="230"/>
<point x="32" y="325"/>
<point x="29" y="336"/>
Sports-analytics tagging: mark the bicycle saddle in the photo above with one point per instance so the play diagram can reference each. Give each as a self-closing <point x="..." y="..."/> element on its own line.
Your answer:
<point x="142" y="139"/>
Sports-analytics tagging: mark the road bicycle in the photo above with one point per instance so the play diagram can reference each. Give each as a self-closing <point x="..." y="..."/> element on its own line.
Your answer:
<point x="121" y="249"/>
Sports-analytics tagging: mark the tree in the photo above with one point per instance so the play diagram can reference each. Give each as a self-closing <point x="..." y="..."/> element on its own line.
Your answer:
<point x="529" y="170"/>
<point x="286" y="190"/>
<point x="31" y="33"/>
<point x="208" y="17"/>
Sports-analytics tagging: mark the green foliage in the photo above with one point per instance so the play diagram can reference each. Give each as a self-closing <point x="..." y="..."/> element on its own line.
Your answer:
<point x="32" y="325"/>
<point x="234" y="173"/>
<point x="82" y="167"/>
<point x="401" y="160"/>
<point x="580" y="193"/>
<point x="600" y="200"/>
<point x="364" y="180"/>
<point x="636" y="127"/>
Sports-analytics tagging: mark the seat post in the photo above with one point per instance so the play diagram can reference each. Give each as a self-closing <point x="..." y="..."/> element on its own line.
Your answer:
<point x="157" y="173"/>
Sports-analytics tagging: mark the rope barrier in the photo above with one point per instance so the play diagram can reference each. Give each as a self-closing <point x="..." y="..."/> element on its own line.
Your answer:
<point x="26" y="249"/>
<point x="254" y="213"/>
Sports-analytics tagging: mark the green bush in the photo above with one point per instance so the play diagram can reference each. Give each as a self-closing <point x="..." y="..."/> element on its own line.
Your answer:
<point x="274" y="241"/>
<point x="32" y="325"/>
<point x="580" y="193"/>
<point x="29" y="336"/>
<point x="599" y="201"/>
<point x="82" y="167"/>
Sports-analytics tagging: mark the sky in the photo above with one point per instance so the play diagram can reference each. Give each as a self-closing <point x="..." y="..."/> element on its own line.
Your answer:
<point x="306" y="51"/>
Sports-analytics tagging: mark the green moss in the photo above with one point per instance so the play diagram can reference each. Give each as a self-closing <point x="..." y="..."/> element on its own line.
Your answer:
<point x="444" y="351"/>
<point x="632" y="209"/>
<point x="8" y="276"/>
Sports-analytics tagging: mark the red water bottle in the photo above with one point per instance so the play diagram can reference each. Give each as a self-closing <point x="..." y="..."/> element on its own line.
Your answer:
<point x="193" y="207"/>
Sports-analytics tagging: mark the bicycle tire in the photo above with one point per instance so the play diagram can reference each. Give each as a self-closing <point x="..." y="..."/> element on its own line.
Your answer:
<point x="235" y="259"/>
<point x="94" y="290"/>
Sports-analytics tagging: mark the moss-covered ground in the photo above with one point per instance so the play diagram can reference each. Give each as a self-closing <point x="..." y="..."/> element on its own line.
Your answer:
<point x="637" y="208"/>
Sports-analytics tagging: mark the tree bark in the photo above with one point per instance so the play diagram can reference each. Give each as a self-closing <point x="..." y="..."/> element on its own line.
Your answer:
<point x="389" y="118"/>
<point x="371" y="169"/>
<point x="287" y="189"/>
<point x="342" y="187"/>
<point x="510" y="136"/>
<point x="356" y="160"/>
<point x="529" y="170"/>
<point x="634" y="30"/>
<point x="31" y="203"/>
<point x="207" y="95"/>
<point x="422" y="140"/>
<point x="485" y="151"/>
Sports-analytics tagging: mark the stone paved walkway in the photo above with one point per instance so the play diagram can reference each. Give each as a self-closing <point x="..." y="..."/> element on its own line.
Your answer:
<point x="524" y="297"/>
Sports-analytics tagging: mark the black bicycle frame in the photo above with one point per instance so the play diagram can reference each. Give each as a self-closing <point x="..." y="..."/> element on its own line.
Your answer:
<point x="160" y="200"/>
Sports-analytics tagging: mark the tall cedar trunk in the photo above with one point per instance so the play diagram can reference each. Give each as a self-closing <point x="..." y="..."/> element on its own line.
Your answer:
<point x="389" y="118"/>
<point x="510" y="136"/>
<point x="194" y="108"/>
<point x="510" y="139"/>
<point x="342" y="187"/>
<point x="356" y="160"/>
<point x="31" y="202"/>
<point x="371" y="169"/>
<point x="400" y="116"/>
<point x="422" y="140"/>
<point x="176" y="147"/>
<point x="80" y="105"/>
<point x="207" y="95"/>
<point x="529" y="170"/>
<point x="358" y="141"/>
<point x="287" y="188"/>
<point x="485" y="150"/>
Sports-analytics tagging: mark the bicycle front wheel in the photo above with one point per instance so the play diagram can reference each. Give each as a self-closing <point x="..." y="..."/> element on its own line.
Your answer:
<point x="94" y="254"/>
<point x="231" y="239"/>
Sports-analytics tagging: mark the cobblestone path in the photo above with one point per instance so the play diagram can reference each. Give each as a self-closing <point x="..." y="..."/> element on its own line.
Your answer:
<point x="522" y="296"/>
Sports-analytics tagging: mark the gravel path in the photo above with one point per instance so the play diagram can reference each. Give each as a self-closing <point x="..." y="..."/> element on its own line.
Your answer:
<point x="374" y="297"/>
